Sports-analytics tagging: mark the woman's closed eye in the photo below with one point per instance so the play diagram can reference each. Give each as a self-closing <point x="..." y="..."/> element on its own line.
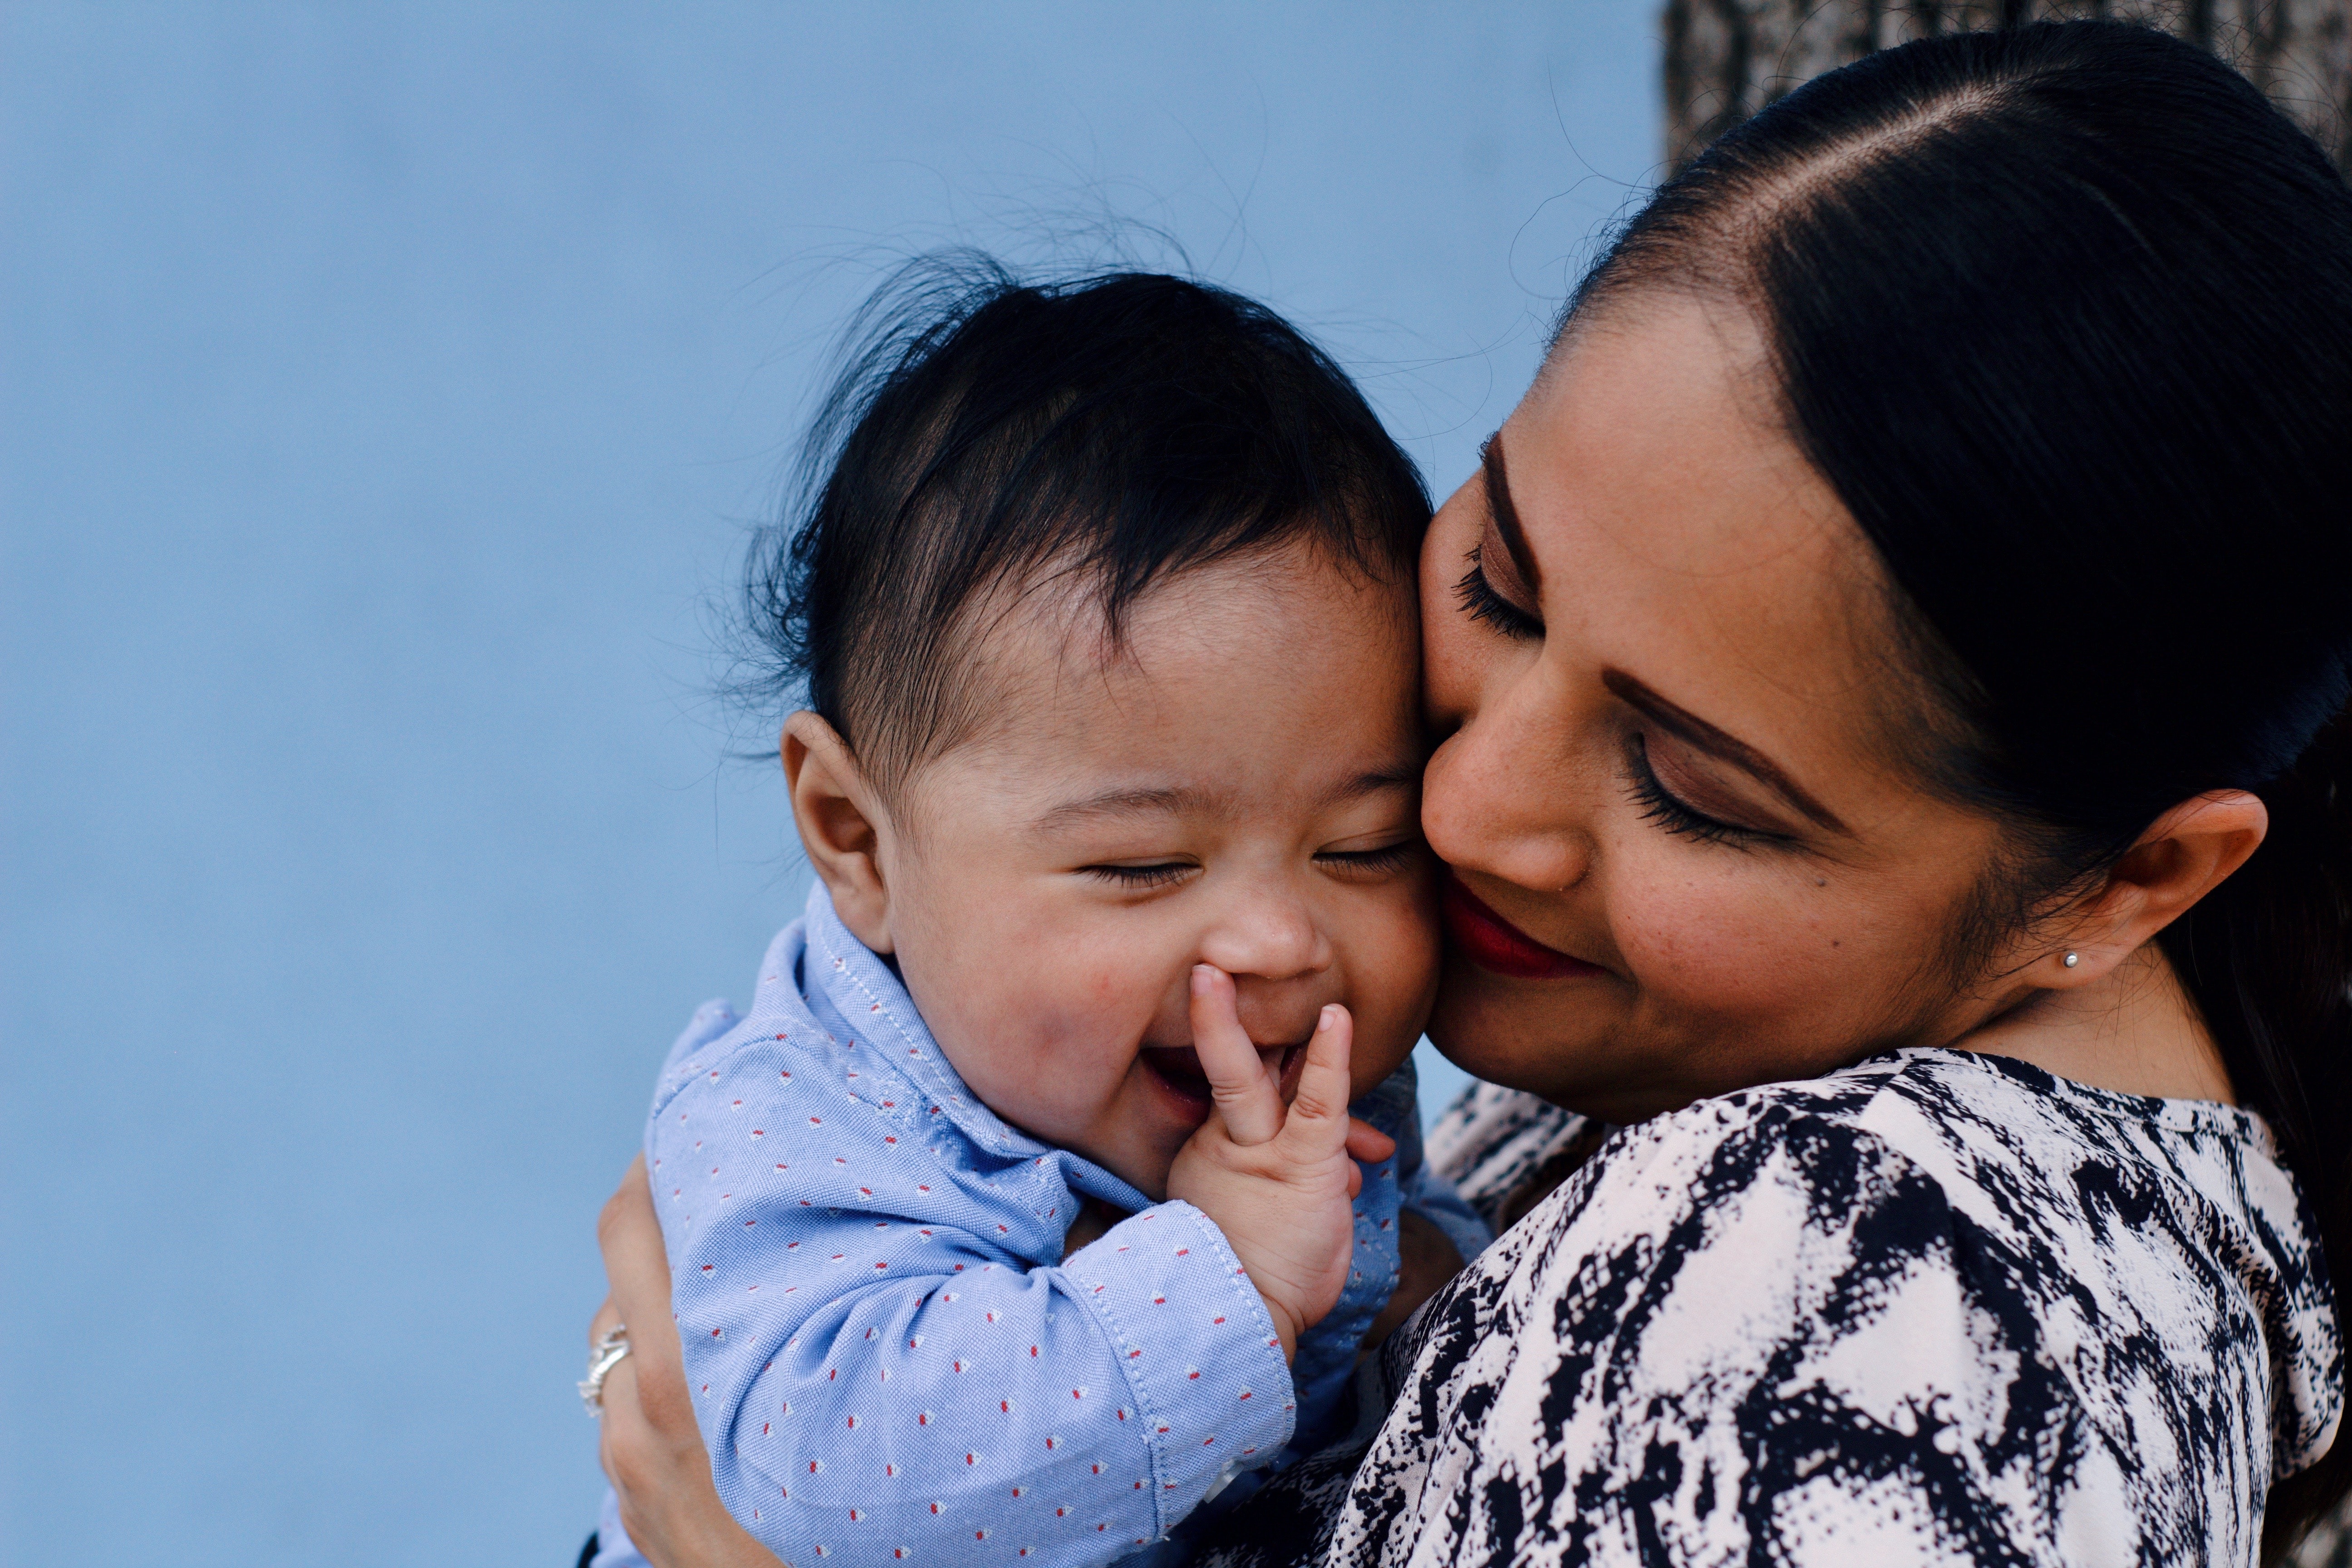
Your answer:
<point x="1677" y="817"/>
<point x="1481" y="602"/>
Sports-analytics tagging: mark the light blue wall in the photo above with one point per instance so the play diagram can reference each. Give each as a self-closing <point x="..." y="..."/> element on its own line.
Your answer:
<point x="382" y="391"/>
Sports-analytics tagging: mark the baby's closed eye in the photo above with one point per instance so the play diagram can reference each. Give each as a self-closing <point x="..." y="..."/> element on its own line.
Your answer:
<point x="1384" y="861"/>
<point x="1152" y="874"/>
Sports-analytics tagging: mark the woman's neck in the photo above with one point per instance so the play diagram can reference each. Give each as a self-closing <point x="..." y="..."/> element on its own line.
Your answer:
<point x="2136" y="1031"/>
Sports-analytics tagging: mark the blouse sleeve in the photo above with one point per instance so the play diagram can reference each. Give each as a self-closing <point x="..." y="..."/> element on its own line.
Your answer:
<point x="1740" y="1333"/>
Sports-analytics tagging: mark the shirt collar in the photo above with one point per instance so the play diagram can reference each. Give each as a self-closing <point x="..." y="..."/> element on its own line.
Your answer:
<point x="870" y="999"/>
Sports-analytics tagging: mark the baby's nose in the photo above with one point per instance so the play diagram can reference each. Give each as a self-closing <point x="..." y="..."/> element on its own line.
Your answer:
<point x="1268" y="939"/>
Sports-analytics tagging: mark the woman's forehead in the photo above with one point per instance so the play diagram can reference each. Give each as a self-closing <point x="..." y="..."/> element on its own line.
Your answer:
<point x="1678" y="531"/>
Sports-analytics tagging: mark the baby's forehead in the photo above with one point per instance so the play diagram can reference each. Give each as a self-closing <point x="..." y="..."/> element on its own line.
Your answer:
<point x="1327" y="620"/>
<point x="1287" y="665"/>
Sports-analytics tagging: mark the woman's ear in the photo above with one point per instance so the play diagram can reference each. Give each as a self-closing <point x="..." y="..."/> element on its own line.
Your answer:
<point x="2183" y="856"/>
<point x="842" y="823"/>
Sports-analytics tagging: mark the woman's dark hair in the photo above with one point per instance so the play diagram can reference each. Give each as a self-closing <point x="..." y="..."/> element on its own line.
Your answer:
<point x="2064" y="315"/>
<point x="988" y="436"/>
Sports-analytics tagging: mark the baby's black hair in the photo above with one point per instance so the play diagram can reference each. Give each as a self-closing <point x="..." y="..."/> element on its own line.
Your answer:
<point x="987" y="433"/>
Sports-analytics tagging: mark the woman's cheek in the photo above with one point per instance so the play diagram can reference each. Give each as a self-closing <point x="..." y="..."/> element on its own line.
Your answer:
<point x="1455" y="651"/>
<point x="1720" y="942"/>
<point x="1449" y="672"/>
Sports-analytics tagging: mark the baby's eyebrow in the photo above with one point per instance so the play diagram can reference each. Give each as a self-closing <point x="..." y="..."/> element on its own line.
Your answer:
<point x="1373" y="782"/>
<point x="1166" y="800"/>
<point x="1192" y="800"/>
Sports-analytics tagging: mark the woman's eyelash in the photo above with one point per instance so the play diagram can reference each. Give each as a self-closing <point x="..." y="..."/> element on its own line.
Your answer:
<point x="1481" y="602"/>
<point x="1675" y="817"/>
<point x="1139" y="876"/>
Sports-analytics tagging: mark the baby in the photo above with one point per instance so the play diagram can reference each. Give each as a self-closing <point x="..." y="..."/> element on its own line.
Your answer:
<point x="1023" y="1210"/>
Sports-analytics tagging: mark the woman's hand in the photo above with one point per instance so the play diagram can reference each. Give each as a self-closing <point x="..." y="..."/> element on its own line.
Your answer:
<point x="651" y="1450"/>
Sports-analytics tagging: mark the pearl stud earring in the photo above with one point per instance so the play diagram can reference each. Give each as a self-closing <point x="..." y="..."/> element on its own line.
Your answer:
<point x="2073" y="959"/>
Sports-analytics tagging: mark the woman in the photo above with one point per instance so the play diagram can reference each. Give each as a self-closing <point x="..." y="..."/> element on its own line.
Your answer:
<point x="1890" y="668"/>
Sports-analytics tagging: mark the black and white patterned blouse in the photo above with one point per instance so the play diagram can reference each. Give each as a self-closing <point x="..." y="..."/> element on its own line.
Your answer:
<point x="1936" y="1307"/>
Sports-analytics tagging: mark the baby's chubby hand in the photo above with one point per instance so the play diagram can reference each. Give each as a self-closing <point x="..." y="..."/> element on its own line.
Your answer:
<point x="1280" y="1183"/>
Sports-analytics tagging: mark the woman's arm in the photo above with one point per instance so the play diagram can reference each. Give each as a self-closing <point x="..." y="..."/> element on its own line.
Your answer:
<point x="650" y="1447"/>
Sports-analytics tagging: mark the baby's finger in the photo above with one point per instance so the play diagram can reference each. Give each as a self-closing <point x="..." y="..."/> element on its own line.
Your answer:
<point x="1368" y="1143"/>
<point x="1247" y="1098"/>
<point x="1317" y="1127"/>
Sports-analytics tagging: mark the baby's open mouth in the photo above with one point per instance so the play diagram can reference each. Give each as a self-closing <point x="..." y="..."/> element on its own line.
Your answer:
<point x="1179" y="1068"/>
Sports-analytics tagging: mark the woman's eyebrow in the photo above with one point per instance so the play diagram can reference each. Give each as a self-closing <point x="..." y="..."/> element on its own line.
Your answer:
<point x="1698" y="732"/>
<point x="1507" y="515"/>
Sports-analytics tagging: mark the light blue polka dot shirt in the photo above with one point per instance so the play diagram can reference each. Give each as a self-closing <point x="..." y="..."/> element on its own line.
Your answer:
<point x="889" y="1356"/>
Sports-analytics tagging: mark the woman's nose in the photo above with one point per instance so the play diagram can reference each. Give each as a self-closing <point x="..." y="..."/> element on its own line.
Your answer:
<point x="1504" y="795"/>
<point x="1268" y="937"/>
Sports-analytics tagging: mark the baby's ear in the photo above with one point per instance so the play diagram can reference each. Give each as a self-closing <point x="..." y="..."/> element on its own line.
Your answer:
<point x="842" y="824"/>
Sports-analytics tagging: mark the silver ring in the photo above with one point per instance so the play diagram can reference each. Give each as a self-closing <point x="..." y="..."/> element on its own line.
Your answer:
<point x="601" y="1360"/>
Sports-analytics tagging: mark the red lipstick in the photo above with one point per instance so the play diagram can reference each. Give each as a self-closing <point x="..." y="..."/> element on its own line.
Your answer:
<point x="1495" y="944"/>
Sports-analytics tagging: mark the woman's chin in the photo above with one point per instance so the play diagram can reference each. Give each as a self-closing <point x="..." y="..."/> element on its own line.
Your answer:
<point x="1499" y="1028"/>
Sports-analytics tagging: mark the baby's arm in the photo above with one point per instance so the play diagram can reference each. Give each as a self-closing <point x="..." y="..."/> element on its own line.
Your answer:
<point x="874" y="1372"/>
<point x="1279" y="1183"/>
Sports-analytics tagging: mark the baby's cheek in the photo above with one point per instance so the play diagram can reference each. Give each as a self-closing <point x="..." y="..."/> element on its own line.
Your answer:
<point x="1083" y="1020"/>
<point x="1394" y="989"/>
<point x="1021" y="1060"/>
<point x="1084" y="993"/>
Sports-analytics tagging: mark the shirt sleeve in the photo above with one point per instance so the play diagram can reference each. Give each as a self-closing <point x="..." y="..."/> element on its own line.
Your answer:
<point x="1433" y="1197"/>
<point x="877" y="1376"/>
<point x="1421" y="1190"/>
<point x="1735" y="1335"/>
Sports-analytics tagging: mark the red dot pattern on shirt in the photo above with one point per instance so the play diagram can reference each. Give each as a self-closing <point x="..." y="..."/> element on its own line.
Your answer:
<point x="977" y="1458"/>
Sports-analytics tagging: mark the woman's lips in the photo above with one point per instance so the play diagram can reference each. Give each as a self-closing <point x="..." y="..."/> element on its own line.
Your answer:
<point x="1495" y="944"/>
